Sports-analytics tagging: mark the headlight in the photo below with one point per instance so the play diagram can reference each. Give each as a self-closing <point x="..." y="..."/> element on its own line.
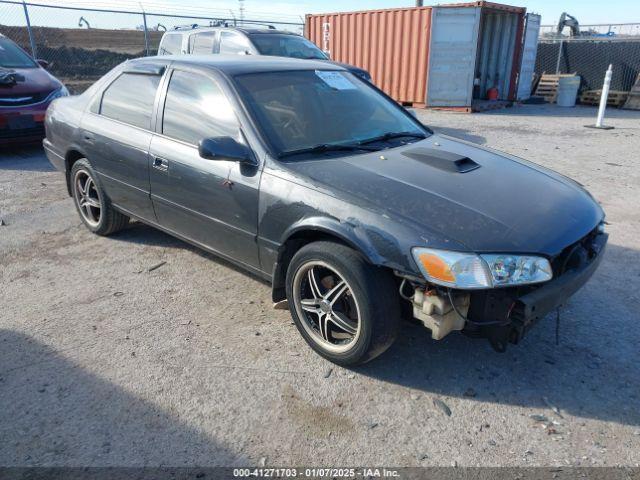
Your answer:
<point x="452" y="269"/>
<point x="518" y="269"/>
<point x="60" y="92"/>
<point x="471" y="271"/>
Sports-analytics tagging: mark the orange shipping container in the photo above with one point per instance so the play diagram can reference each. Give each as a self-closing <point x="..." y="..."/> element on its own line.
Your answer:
<point x="445" y="56"/>
<point x="391" y="44"/>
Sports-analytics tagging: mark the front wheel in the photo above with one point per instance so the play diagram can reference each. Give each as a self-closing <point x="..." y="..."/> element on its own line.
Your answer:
<point x="345" y="308"/>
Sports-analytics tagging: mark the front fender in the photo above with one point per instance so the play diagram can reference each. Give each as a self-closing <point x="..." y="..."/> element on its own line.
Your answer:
<point x="378" y="248"/>
<point x="345" y="231"/>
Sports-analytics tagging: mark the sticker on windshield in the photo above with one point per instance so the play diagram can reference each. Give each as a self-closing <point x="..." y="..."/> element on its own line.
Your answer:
<point x="335" y="80"/>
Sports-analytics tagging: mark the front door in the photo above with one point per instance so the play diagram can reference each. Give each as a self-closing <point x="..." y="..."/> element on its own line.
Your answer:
<point x="211" y="202"/>
<point x="529" y="52"/>
<point x="452" y="56"/>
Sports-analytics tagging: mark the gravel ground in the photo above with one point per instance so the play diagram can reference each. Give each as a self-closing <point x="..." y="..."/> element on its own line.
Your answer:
<point x="103" y="362"/>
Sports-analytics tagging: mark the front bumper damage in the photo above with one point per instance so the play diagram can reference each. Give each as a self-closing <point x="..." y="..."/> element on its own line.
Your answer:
<point x="505" y="315"/>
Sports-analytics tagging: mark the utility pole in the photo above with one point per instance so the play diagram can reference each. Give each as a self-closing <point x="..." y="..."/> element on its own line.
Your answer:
<point x="419" y="3"/>
<point x="241" y="8"/>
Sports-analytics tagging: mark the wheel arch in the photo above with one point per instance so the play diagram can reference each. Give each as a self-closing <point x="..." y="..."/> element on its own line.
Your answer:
<point x="72" y="156"/>
<point x="314" y="230"/>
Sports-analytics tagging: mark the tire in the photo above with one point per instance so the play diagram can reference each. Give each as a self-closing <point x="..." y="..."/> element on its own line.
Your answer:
<point x="342" y="286"/>
<point x="93" y="206"/>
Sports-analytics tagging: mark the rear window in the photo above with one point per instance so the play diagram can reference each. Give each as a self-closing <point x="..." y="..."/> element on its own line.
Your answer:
<point x="171" y="44"/>
<point x="12" y="56"/>
<point x="130" y="99"/>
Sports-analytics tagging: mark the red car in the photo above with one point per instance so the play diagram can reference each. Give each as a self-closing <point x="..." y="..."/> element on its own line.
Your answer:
<point x="26" y="90"/>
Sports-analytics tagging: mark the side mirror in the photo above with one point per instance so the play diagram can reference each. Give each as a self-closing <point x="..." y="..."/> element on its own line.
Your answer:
<point x="42" y="63"/>
<point x="225" y="148"/>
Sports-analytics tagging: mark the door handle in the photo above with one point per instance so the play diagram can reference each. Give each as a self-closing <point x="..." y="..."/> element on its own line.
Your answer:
<point x="161" y="164"/>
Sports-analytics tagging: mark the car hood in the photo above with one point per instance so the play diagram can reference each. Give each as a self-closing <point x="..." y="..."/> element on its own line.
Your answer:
<point x="464" y="194"/>
<point x="30" y="81"/>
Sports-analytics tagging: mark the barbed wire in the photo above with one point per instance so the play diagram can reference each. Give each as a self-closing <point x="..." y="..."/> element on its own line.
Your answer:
<point x="171" y="8"/>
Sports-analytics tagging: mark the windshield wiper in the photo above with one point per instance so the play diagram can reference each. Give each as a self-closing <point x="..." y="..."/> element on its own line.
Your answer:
<point x="390" y="136"/>
<point x="327" y="147"/>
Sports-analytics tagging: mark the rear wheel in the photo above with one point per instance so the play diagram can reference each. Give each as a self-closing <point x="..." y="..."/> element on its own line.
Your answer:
<point x="346" y="309"/>
<point x="92" y="204"/>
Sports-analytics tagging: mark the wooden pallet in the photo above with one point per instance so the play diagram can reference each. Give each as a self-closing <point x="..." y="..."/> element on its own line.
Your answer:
<point x="592" y="97"/>
<point x="548" y="86"/>
<point x="633" y="100"/>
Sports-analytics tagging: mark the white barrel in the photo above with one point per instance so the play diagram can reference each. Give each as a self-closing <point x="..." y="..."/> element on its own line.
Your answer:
<point x="568" y="91"/>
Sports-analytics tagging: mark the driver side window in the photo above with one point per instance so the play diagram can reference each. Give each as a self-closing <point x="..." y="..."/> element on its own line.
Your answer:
<point x="233" y="44"/>
<point x="196" y="108"/>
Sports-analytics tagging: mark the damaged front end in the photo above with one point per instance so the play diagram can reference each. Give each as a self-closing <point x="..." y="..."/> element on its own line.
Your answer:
<point x="503" y="314"/>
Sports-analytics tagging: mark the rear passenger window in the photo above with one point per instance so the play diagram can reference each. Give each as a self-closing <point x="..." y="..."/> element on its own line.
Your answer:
<point x="171" y="44"/>
<point x="203" y="42"/>
<point x="130" y="98"/>
<point x="196" y="108"/>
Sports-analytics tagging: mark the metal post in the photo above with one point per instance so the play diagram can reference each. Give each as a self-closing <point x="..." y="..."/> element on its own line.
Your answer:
<point x="604" y="97"/>
<point x="34" y="52"/>
<point x="559" y="57"/>
<point x="603" y="100"/>
<point x="146" y="34"/>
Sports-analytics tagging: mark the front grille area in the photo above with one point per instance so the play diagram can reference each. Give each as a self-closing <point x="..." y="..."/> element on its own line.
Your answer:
<point x="576" y="255"/>
<point x="21" y="100"/>
<point x="37" y="131"/>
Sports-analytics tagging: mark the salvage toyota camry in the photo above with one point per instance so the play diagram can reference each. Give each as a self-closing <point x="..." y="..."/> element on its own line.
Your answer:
<point x="304" y="175"/>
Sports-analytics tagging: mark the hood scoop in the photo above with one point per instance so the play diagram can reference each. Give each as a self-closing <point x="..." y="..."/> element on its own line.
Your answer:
<point x="447" y="161"/>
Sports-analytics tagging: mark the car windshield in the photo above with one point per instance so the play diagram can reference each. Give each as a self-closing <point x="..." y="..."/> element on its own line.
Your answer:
<point x="320" y="112"/>
<point x="286" y="46"/>
<point x="11" y="56"/>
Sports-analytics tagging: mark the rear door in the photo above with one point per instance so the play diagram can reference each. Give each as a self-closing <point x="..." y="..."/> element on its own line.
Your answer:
<point x="116" y="139"/>
<point x="529" y="52"/>
<point x="203" y="43"/>
<point x="211" y="202"/>
<point x="452" y="56"/>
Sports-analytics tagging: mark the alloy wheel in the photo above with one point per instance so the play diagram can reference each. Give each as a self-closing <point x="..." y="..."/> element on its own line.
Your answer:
<point x="87" y="198"/>
<point x="326" y="306"/>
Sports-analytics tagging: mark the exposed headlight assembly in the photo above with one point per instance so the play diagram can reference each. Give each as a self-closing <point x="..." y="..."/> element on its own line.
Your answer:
<point x="60" y="92"/>
<point x="471" y="271"/>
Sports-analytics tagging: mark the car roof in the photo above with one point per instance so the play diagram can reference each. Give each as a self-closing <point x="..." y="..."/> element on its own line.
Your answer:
<point x="237" y="64"/>
<point x="245" y="30"/>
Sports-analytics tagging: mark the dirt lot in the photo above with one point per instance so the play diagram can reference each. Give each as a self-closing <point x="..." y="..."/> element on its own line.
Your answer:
<point x="105" y="363"/>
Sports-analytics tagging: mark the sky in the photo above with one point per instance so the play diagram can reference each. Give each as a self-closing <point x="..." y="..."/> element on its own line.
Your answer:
<point x="587" y="11"/>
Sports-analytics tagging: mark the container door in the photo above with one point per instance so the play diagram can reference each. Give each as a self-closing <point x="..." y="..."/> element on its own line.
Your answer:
<point x="452" y="56"/>
<point x="529" y="51"/>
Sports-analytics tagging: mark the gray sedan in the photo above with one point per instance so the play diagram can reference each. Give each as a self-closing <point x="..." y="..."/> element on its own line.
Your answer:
<point x="307" y="176"/>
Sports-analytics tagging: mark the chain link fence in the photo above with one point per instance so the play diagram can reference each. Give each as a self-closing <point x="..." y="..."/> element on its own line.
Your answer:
<point x="602" y="29"/>
<point x="590" y="57"/>
<point x="82" y="44"/>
